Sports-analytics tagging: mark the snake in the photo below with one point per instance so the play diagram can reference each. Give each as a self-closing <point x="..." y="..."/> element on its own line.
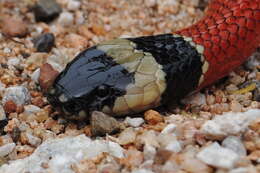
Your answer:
<point x="126" y="76"/>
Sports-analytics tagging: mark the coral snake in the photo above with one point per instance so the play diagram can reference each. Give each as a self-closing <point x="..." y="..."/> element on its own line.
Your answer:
<point x="129" y="75"/>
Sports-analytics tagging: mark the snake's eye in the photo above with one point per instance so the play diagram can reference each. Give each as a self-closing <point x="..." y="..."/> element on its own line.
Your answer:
<point x="102" y="91"/>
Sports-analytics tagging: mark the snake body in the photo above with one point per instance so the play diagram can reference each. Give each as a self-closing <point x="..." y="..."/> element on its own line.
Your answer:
<point x="129" y="75"/>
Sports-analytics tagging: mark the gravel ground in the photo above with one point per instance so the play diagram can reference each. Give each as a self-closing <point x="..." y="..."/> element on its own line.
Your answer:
<point x="215" y="130"/>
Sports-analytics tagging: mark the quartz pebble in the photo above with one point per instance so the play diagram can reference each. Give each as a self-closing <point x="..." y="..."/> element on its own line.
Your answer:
<point x="197" y="99"/>
<point x="169" y="129"/>
<point x="61" y="153"/>
<point x="6" y="149"/>
<point x="127" y="136"/>
<point x="73" y="5"/>
<point x="66" y="19"/>
<point x="218" y="156"/>
<point x="235" y="144"/>
<point x="229" y="124"/>
<point x="2" y="113"/>
<point x="102" y="124"/>
<point x="18" y="94"/>
<point x="36" y="75"/>
<point x="174" y="146"/>
<point x="142" y="171"/>
<point x="46" y="10"/>
<point x="134" y="122"/>
<point x="44" y="42"/>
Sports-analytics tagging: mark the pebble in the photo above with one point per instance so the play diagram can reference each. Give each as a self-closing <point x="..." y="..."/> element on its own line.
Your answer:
<point x="170" y="128"/>
<point x="134" y="122"/>
<point x="174" y="146"/>
<point x="46" y="10"/>
<point x="162" y="155"/>
<point x="33" y="140"/>
<point x="47" y="76"/>
<point x="142" y="171"/>
<point x="14" y="62"/>
<point x="36" y="75"/>
<point x="75" y="41"/>
<point x="102" y="124"/>
<point x="197" y="99"/>
<point x="149" y="152"/>
<point x="73" y="5"/>
<point x="218" y="156"/>
<point x="44" y="42"/>
<point x="66" y="19"/>
<point x="14" y="26"/>
<point x="6" y="149"/>
<point x="229" y="124"/>
<point x="31" y="109"/>
<point x="235" y="144"/>
<point x="10" y="106"/>
<point x="2" y="113"/>
<point x="127" y="136"/>
<point x="18" y="94"/>
<point x="153" y="117"/>
<point x="59" y="154"/>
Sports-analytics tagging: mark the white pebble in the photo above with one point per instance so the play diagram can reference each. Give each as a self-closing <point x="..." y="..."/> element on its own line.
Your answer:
<point x="196" y="99"/>
<point x="6" y="149"/>
<point x="7" y="50"/>
<point x="31" y="109"/>
<point x="36" y="75"/>
<point x="66" y="19"/>
<point x="174" y="146"/>
<point x="134" y="122"/>
<point x="218" y="156"/>
<point x="73" y="5"/>
<point x="229" y="124"/>
<point x="169" y="128"/>
<point x="142" y="171"/>
<point x="15" y="62"/>
<point x="235" y="144"/>
<point x="33" y="140"/>
<point x="18" y="94"/>
<point x="149" y="152"/>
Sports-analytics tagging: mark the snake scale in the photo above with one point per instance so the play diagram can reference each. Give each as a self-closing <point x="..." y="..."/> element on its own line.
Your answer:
<point x="129" y="75"/>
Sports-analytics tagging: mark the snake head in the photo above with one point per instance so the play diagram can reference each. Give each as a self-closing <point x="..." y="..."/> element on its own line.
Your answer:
<point x="126" y="76"/>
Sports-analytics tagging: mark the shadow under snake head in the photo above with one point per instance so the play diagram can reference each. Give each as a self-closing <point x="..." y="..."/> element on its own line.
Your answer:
<point x="127" y="76"/>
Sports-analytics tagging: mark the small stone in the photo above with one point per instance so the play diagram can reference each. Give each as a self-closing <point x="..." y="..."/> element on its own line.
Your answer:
<point x="14" y="26"/>
<point x="229" y="124"/>
<point x="149" y="152"/>
<point x="2" y="113"/>
<point x="44" y="42"/>
<point x="255" y="156"/>
<point x="162" y="156"/>
<point x="18" y="94"/>
<point x="148" y="138"/>
<point x="66" y="19"/>
<point x="73" y="5"/>
<point x="133" y="157"/>
<point x="36" y="59"/>
<point x="36" y="75"/>
<point x="102" y="124"/>
<point x="31" y="109"/>
<point x="134" y="122"/>
<point x="235" y="144"/>
<point x="170" y="128"/>
<point x="142" y="171"/>
<point x="14" y="62"/>
<point x="235" y="106"/>
<point x="174" y="146"/>
<point x="127" y="136"/>
<point x="47" y="76"/>
<point x="218" y="156"/>
<point x="197" y="99"/>
<point x="75" y="40"/>
<point x="255" y="125"/>
<point x="10" y="106"/>
<point x="33" y="140"/>
<point x="152" y="117"/>
<point x="6" y="149"/>
<point x="46" y="10"/>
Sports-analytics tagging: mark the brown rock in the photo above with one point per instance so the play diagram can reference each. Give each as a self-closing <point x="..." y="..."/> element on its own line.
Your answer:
<point x="162" y="156"/>
<point x="14" y="26"/>
<point x="102" y="124"/>
<point x="47" y="76"/>
<point x="75" y="41"/>
<point x="152" y="117"/>
<point x="10" y="106"/>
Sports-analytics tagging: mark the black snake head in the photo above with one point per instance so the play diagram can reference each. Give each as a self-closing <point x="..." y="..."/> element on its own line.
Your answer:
<point x="126" y="76"/>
